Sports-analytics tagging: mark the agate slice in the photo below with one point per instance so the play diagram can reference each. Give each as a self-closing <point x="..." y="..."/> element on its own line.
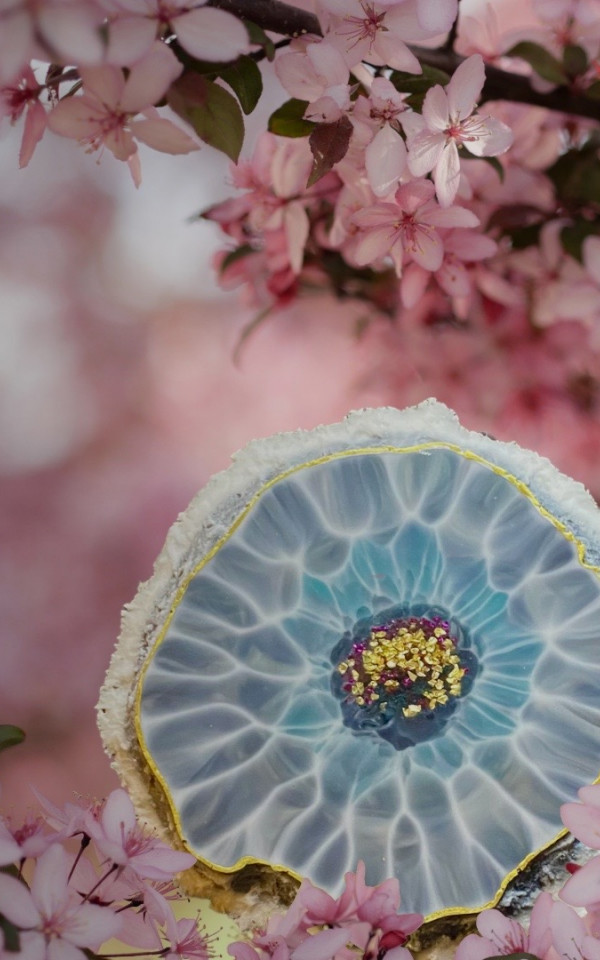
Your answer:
<point x="375" y="641"/>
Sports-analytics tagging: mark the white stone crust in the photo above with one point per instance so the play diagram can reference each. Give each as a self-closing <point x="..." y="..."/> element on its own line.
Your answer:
<point x="213" y="511"/>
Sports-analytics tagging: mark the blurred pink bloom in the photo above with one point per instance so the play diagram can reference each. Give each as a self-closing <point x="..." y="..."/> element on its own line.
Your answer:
<point x="121" y="839"/>
<point x="59" y="30"/>
<point x="104" y="116"/>
<point x="368" y="30"/>
<point x="408" y="227"/>
<point x="499" y="935"/>
<point x="204" y="32"/>
<point x="449" y="122"/>
<point x="57" y="924"/>
<point x="22" y="96"/>
<point x="460" y="247"/>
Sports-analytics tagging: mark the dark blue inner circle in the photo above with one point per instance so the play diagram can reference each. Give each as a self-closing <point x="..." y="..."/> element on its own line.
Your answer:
<point x="390" y="723"/>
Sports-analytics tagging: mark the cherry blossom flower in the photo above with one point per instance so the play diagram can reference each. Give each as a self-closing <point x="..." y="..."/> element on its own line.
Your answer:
<point x="500" y="935"/>
<point x="204" y="32"/>
<point x="186" y="940"/>
<point x="408" y="227"/>
<point x="106" y="114"/>
<point x="449" y="122"/>
<point x="121" y="839"/>
<point x="57" y="924"/>
<point x="26" y="840"/>
<point x="385" y="154"/>
<point x="367" y="30"/>
<point x="460" y="247"/>
<point x="318" y="74"/>
<point x="22" y="96"/>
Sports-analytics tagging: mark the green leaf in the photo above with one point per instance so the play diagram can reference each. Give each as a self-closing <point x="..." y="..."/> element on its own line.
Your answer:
<point x="245" y="79"/>
<point x="593" y="91"/>
<point x="259" y="37"/>
<point x="234" y="255"/>
<point x="211" y="110"/>
<point x="288" y="120"/>
<point x="542" y="61"/>
<point x="329" y="143"/>
<point x="12" y="942"/>
<point x="10" y="736"/>
<point x="576" y="176"/>
<point x="573" y="235"/>
<point x="575" y="60"/>
<point x="419" y="82"/>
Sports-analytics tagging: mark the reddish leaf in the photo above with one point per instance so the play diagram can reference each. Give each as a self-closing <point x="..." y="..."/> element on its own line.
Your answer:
<point x="329" y="144"/>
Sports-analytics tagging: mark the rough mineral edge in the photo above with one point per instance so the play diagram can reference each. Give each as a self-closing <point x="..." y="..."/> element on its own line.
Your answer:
<point x="209" y="517"/>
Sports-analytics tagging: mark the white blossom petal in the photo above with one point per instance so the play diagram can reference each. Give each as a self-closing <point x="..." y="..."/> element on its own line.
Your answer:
<point x="465" y="87"/>
<point x="496" y="139"/>
<point x="385" y="160"/>
<point x="446" y="175"/>
<point x="424" y="151"/>
<point x="436" y="111"/>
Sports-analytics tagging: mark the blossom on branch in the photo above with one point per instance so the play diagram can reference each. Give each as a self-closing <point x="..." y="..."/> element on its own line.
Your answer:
<point x="448" y="122"/>
<point x="107" y="113"/>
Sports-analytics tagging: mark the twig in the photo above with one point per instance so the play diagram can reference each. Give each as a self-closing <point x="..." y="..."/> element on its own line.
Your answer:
<point x="284" y="19"/>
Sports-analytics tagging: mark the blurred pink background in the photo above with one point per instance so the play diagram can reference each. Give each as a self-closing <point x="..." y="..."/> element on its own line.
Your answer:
<point x="120" y="397"/>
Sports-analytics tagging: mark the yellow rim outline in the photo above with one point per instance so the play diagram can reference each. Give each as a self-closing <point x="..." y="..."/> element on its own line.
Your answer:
<point x="181" y="590"/>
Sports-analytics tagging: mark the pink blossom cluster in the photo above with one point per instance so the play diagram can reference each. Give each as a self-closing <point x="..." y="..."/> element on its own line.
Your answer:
<point x="117" y="883"/>
<point x="362" y="921"/>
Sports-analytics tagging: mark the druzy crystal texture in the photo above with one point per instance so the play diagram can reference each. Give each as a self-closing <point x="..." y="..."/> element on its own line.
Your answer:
<point x="379" y="641"/>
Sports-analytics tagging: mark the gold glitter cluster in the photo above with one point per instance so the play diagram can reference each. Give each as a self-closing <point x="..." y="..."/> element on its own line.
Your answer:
<point x="412" y="661"/>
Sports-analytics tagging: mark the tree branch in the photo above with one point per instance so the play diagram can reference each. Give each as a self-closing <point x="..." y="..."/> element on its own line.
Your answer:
<point x="287" y="20"/>
<point x="272" y="15"/>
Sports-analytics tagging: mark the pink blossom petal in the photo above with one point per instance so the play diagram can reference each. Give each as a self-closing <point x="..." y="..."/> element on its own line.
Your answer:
<point x="465" y="86"/>
<point x="33" y="946"/>
<point x="436" y="108"/>
<point x="10" y="851"/>
<point x="211" y="34"/>
<point x="49" y="884"/>
<point x="16" y="903"/>
<point x="471" y="246"/>
<point x="129" y="39"/>
<point x="583" y="888"/>
<point x="385" y="160"/>
<point x="392" y="52"/>
<point x="161" y="134"/>
<point x="297" y="226"/>
<point x="90" y="925"/>
<point x="473" y="947"/>
<point x="412" y="287"/>
<point x="72" y="30"/>
<point x="453" y="278"/>
<point x="16" y="43"/>
<point x="374" y="244"/>
<point x="150" y="78"/>
<point x="322" y="946"/>
<point x="591" y="258"/>
<point x="412" y="195"/>
<point x="496" y="139"/>
<point x="437" y="16"/>
<point x="377" y="216"/>
<point x="426" y="249"/>
<point x="35" y="125"/>
<point x="106" y="83"/>
<point x="424" y="152"/>
<point x="446" y="175"/>
<point x="583" y="822"/>
<point x="568" y="931"/>
<point x="59" y="949"/>
<point x="328" y="63"/>
<point x="451" y="217"/>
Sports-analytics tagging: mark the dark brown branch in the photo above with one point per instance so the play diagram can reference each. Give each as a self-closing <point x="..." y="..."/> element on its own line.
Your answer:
<point x="272" y="15"/>
<point x="287" y="20"/>
<point x="501" y="85"/>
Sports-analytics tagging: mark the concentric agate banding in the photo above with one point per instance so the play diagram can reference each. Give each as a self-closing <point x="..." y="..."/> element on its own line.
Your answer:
<point x="340" y="546"/>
